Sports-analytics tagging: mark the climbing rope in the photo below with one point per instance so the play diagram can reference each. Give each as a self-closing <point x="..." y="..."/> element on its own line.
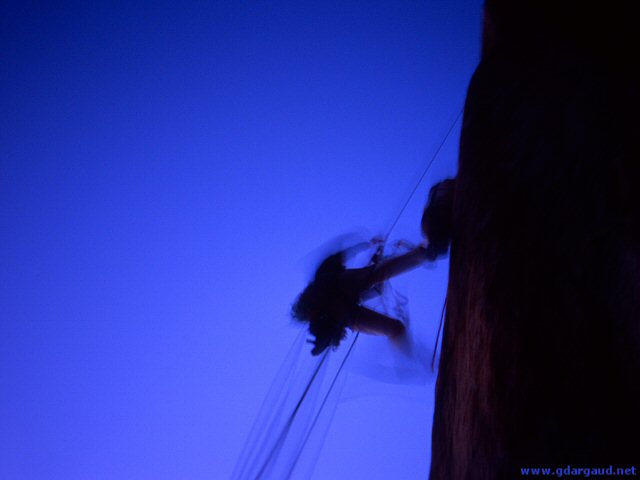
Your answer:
<point x="283" y="434"/>
<point x="357" y="335"/>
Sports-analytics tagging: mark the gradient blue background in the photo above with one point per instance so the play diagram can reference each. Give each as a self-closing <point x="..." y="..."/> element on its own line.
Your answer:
<point x="167" y="171"/>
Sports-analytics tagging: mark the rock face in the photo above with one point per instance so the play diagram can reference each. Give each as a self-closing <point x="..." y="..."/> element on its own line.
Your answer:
<point x="540" y="363"/>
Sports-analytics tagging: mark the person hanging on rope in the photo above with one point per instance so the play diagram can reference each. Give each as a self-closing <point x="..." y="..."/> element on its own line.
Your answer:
<point x="331" y="303"/>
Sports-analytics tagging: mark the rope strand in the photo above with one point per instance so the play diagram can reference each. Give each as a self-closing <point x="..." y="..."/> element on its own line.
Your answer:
<point x="287" y="426"/>
<point x="424" y="173"/>
<point x="393" y="225"/>
<point x="324" y="400"/>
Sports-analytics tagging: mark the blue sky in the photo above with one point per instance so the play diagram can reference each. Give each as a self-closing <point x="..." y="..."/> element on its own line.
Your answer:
<point x="167" y="172"/>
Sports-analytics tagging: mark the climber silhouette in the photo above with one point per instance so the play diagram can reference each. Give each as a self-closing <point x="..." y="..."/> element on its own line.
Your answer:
<point x="331" y="303"/>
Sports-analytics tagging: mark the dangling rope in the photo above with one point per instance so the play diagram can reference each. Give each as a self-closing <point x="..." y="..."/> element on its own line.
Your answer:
<point x="289" y="422"/>
<point x="324" y="400"/>
<point x="357" y="335"/>
<point x="288" y="427"/>
<point x="435" y="347"/>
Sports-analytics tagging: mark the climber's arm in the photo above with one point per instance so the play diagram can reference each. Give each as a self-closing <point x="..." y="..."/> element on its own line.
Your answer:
<point x="391" y="267"/>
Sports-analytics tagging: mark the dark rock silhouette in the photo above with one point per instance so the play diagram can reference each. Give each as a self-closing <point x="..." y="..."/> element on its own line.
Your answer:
<point x="540" y="363"/>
